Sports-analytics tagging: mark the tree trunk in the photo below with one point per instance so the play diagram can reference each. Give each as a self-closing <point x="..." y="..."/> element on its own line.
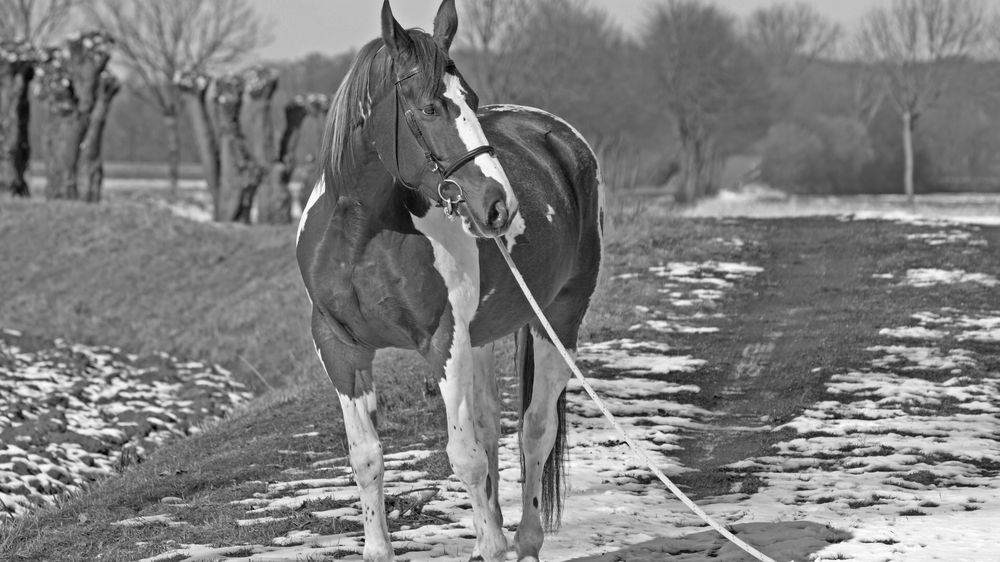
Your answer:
<point x="69" y="81"/>
<point x="274" y="202"/>
<point x="173" y="127"/>
<point x="59" y="142"/>
<point x="908" y="155"/>
<point x="239" y="173"/>
<point x="194" y="87"/>
<point x="16" y="71"/>
<point x="61" y="152"/>
<point x="318" y="105"/>
<point x="261" y="84"/>
<point x="90" y="174"/>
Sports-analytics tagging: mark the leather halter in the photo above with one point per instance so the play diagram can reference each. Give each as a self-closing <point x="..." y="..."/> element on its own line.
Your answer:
<point x="436" y="163"/>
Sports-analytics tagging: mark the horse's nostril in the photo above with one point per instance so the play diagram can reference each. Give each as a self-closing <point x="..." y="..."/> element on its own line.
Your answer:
<point x="497" y="216"/>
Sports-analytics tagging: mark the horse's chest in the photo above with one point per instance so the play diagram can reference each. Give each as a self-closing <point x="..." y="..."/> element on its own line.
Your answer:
<point x="390" y="297"/>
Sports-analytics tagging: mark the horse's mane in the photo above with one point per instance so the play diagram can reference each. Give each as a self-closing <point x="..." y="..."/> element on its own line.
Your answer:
<point x="368" y="78"/>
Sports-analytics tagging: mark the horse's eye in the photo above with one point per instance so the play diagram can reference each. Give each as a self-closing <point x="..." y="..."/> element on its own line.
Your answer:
<point x="429" y="110"/>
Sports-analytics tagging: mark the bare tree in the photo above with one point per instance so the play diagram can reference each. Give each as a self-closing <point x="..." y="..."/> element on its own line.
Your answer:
<point x="488" y="30"/>
<point x="17" y="68"/>
<point x="71" y="84"/>
<point x="90" y="172"/>
<point x="158" y="39"/>
<point x="34" y="21"/>
<point x="917" y="46"/>
<point x="194" y="87"/>
<point x="789" y="36"/>
<point x="274" y="199"/>
<point x="317" y="106"/>
<point x="24" y="24"/>
<point x="239" y="172"/>
<point x="261" y="85"/>
<point x="705" y="78"/>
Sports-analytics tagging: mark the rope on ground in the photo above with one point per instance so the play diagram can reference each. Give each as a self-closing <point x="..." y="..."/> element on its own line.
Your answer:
<point x="634" y="445"/>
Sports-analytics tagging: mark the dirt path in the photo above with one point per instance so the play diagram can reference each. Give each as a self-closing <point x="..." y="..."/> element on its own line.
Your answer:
<point x="783" y="332"/>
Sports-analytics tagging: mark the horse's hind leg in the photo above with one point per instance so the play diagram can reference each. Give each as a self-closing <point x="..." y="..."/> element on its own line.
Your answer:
<point x="350" y="369"/>
<point x="540" y="429"/>
<point x="543" y="432"/>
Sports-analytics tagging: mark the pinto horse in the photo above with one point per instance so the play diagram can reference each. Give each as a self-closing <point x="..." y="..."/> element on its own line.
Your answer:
<point x="396" y="249"/>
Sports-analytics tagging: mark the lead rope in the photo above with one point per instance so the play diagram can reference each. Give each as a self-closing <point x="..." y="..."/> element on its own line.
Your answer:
<point x="636" y="449"/>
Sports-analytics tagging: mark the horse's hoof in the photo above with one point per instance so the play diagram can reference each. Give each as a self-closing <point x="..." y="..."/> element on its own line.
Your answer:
<point x="528" y="559"/>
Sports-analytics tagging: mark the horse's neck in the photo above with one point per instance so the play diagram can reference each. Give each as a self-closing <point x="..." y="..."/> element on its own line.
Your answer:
<point x="365" y="202"/>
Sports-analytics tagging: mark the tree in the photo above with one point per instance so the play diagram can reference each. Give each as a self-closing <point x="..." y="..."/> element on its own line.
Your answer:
<point x="787" y="37"/>
<point x="239" y="172"/>
<point x="274" y="200"/>
<point x="917" y="46"/>
<point x="705" y="79"/>
<point x="194" y="86"/>
<point x="489" y="30"/>
<point x="71" y="84"/>
<point x="158" y="39"/>
<point x="34" y="21"/>
<point x="90" y="172"/>
<point x="24" y="24"/>
<point x="17" y="68"/>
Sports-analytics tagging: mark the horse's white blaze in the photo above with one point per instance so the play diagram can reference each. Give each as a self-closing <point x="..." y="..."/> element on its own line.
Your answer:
<point x="472" y="135"/>
<point x="318" y="190"/>
<point x="366" y="460"/>
<point x="550" y="213"/>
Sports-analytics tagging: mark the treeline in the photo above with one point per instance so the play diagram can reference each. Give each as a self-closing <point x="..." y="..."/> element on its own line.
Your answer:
<point x="900" y="102"/>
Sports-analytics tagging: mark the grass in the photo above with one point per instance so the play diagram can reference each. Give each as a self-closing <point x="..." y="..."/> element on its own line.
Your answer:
<point x="226" y="462"/>
<point x="146" y="280"/>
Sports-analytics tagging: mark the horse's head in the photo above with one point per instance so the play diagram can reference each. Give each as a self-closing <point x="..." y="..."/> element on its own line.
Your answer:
<point x="428" y="134"/>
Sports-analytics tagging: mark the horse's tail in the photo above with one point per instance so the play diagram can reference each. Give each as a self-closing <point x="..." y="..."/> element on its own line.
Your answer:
<point x="553" y="473"/>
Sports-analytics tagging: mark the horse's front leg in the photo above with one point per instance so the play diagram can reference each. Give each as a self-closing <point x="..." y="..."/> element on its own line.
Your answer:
<point x="469" y="447"/>
<point x="488" y="420"/>
<point x="350" y="369"/>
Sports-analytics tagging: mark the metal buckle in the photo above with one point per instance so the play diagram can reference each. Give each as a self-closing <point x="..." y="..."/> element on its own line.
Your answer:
<point x="447" y="202"/>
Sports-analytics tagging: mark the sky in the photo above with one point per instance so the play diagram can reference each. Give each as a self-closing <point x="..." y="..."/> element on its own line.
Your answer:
<point x="333" y="26"/>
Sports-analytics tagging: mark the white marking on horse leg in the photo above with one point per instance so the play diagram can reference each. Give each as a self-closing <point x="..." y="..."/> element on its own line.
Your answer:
<point x="456" y="258"/>
<point x="471" y="133"/>
<point x="487" y="394"/>
<point x="538" y="434"/>
<point x="366" y="460"/>
<point x="318" y="190"/>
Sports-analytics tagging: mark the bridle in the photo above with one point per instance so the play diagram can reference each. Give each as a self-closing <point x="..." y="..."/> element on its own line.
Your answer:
<point x="436" y="163"/>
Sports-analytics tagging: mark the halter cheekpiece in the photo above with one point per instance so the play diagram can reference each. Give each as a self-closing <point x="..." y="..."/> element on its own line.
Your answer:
<point x="450" y="193"/>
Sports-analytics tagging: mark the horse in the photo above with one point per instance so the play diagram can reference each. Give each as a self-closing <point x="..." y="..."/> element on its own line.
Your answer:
<point x="396" y="247"/>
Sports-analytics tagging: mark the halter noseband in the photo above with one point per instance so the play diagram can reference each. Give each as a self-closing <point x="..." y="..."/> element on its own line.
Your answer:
<point x="436" y="164"/>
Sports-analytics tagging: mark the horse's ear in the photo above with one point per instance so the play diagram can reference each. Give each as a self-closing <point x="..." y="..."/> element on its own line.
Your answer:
<point x="397" y="40"/>
<point x="445" y="24"/>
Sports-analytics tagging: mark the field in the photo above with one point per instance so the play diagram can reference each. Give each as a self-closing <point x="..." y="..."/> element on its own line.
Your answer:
<point x="826" y="385"/>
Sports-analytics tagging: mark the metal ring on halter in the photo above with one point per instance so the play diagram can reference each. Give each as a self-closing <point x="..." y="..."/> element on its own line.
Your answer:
<point x="449" y="204"/>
